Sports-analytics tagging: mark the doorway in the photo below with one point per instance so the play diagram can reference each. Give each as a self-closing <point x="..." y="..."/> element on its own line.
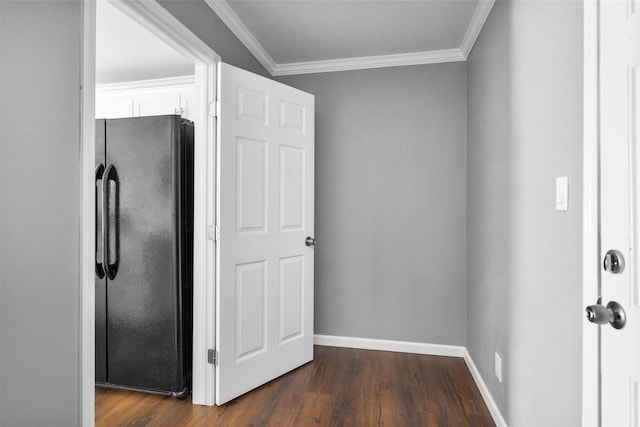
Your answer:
<point x="155" y="19"/>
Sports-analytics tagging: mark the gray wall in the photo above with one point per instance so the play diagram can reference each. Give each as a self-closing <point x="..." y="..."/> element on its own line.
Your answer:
<point x="392" y="213"/>
<point x="40" y="200"/>
<point x="524" y="111"/>
<point x="204" y="23"/>
<point x="39" y="214"/>
<point x="390" y="202"/>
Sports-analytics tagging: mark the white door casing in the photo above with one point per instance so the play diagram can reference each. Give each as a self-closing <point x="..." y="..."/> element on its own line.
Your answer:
<point x="264" y="289"/>
<point x="619" y="96"/>
<point x="152" y="16"/>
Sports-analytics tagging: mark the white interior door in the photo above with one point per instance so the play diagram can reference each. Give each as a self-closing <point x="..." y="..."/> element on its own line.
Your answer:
<point x="264" y="288"/>
<point x="620" y="216"/>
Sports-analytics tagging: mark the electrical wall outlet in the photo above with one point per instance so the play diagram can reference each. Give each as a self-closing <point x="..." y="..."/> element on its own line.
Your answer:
<point x="498" y="367"/>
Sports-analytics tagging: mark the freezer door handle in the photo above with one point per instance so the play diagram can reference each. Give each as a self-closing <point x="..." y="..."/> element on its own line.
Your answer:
<point x="99" y="227"/>
<point x="110" y="222"/>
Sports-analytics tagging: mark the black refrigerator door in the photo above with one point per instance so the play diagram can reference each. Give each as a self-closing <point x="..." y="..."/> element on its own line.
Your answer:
<point x="100" y="279"/>
<point x="144" y="333"/>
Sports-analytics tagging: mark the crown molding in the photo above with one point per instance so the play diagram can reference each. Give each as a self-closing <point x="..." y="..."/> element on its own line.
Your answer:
<point x="180" y="82"/>
<point x="229" y="17"/>
<point x="365" y="62"/>
<point x="478" y="19"/>
<point x="162" y="24"/>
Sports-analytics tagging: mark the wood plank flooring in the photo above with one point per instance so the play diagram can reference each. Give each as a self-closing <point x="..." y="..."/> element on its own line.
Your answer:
<point x="341" y="387"/>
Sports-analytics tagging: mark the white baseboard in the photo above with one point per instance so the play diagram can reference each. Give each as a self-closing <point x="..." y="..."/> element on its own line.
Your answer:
<point x="418" y="348"/>
<point x="484" y="391"/>
<point x="388" y="345"/>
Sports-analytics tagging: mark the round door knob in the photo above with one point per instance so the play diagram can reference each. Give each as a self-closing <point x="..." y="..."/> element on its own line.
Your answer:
<point x="598" y="314"/>
<point x="613" y="314"/>
<point x="310" y="241"/>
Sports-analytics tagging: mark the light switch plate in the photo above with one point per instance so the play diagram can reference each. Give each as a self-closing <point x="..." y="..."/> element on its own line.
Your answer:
<point x="498" y="367"/>
<point x="562" y="193"/>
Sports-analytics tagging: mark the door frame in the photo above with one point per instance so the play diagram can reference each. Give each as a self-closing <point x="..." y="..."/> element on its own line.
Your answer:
<point x="591" y="407"/>
<point x="152" y="16"/>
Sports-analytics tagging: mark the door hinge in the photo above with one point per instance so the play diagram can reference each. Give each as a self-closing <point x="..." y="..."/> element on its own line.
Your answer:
<point x="214" y="109"/>
<point x="212" y="357"/>
<point x="213" y="233"/>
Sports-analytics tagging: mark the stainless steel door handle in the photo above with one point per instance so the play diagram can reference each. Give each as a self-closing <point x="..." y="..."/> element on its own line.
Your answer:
<point x="613" y="314"/>
<point x="310" y="241"/>
<point x="110" y="267"/>
<point x="99" y="227"/>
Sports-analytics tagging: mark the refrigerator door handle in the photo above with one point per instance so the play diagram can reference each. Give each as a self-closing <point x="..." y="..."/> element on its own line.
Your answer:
<point x="99" y="227"/>
<point x="110" y="223"/>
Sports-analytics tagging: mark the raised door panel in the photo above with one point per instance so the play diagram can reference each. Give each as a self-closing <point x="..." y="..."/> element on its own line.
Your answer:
<point x="291" y="319"/>
<point x="292" y="116"/>
<point x="252" y="105"/>
<point x="292" y="188"/>
<point x="251" y="185"/>
<point x="251" y="309"/>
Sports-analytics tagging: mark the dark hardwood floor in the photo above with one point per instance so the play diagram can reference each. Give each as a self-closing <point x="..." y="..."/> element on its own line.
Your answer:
<point x="341" y="387"/>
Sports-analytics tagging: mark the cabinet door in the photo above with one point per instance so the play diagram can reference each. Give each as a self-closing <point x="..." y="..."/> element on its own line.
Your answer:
<point x="114" y="108"/>
<point x="157" y="104"/>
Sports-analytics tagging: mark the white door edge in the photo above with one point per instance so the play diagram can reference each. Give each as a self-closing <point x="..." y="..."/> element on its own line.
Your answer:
<point x="162" y="24"/>
<point x="590" y="244"/>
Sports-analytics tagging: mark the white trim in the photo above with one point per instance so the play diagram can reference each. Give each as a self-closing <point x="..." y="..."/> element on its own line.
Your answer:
<point x="166" y="27"/>
<point x="203" y="381"/>
<point x="389" y="345"/>
<point x="237" y="27"/>
<point x="366" y="62"/>
<point x="475" y="26"/>
<point x="86" y="291"/>
<point x="418" y="348"/>
<point x="484" y="391"/>
<point x="179" y="82"/>
<point x="590" y="220"/>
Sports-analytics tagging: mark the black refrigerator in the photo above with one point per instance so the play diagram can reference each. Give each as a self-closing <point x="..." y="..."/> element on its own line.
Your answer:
<point x="144" y="250"/>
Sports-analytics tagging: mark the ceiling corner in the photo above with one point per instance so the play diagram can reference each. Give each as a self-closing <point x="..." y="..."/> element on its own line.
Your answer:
<point x="478" y="19"/>
<point x="229" y="17"/>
